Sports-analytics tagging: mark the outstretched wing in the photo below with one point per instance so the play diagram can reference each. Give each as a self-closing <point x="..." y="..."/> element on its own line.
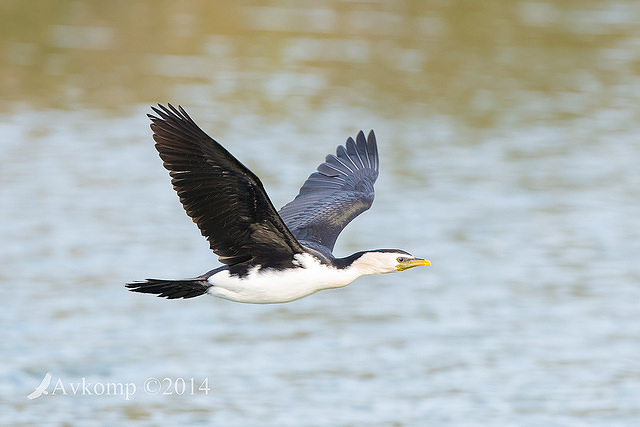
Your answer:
<point x="339" y="191"/>
<point x="225" y="199"/>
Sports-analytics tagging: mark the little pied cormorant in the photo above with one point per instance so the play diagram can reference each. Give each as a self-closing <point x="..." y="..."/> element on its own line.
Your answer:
<point x="268" y="256"/>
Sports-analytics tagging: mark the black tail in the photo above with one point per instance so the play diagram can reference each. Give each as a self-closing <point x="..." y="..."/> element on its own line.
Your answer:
<point x="172" y="289"/>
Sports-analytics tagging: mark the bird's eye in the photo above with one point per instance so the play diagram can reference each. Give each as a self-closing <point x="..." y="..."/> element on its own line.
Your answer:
<point x="402" y="259"/>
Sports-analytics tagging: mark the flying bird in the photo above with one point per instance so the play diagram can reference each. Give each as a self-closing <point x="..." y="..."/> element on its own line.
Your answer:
<point x="268" y="256"/>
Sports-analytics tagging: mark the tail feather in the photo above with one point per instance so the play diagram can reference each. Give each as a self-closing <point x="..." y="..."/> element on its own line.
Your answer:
<point x="171" y="289"/>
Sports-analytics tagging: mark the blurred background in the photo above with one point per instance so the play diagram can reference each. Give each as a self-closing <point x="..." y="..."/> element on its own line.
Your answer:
<point x="510" y="158"/>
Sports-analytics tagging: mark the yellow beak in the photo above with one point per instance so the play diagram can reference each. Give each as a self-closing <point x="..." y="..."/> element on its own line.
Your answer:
<point x="413" y="263"/>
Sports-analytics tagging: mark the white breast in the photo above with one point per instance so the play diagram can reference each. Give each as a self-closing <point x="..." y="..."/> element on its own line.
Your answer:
<point x="268" y="286"/>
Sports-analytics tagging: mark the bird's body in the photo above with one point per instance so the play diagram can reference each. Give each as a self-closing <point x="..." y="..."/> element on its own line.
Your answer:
<point x="268" y="256"/>
<point x="274" y="286"/>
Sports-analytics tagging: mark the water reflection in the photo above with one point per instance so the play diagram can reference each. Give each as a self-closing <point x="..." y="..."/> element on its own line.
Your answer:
<point x="476" y="62"/>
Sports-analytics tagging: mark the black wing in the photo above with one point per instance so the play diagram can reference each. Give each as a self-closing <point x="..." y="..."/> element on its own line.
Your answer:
<point x="225" y="199"/>
<point x="339" y="191"/>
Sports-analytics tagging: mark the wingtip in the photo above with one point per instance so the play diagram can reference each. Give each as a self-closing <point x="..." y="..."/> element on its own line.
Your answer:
<point x="372" y="147"/>
<point x="169" y="112"/>
<point x="371" y="136"/>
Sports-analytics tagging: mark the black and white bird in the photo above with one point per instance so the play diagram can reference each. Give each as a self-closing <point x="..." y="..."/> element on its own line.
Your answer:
<point x="268" y="256"/>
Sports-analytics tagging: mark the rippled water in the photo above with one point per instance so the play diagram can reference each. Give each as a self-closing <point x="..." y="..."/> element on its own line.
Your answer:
<point x="509" y="145"/>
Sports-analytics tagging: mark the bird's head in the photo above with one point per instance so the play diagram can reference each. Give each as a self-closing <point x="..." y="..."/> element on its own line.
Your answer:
<point x="387" y="261"/>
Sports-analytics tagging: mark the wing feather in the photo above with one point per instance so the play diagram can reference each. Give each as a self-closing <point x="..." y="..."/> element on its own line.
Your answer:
<point x="340" y="190"/>
<point x="223" y="197"/>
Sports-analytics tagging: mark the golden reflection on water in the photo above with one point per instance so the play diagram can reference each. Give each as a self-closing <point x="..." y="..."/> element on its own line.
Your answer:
<point x="549" y="60"/>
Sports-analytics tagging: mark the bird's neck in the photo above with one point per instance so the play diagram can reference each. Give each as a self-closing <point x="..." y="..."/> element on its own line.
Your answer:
<point x="359" y="264"/>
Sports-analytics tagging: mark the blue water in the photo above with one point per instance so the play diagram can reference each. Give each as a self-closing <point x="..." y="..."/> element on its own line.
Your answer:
<point x="528" y="315"/>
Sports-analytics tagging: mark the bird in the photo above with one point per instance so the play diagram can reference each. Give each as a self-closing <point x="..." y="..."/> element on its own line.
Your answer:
<point x="268" y="256"/>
